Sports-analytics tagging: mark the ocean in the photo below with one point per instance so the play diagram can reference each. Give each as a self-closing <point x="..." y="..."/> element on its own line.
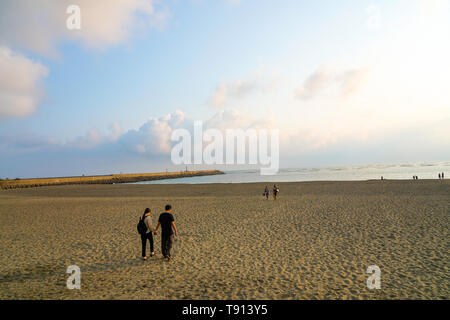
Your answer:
<point x="398" y="171"/>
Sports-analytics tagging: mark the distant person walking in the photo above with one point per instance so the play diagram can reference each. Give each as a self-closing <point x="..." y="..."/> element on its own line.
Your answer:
<point x="275" y="191"/>
<point x="439" y="175"/>
<point x="442" y="175"/>
<point x="167" y="223"/>
<point x="145" y="231"/>
<point x="266" y="192"/>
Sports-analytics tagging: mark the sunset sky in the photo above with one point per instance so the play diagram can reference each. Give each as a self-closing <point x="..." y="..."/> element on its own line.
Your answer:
<point x="345" y="82"/>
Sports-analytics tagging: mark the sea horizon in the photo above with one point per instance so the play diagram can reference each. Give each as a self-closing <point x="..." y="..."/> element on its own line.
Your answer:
<point x="389" y="171"/>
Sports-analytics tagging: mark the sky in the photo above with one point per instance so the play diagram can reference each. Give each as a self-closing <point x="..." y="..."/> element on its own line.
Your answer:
<point x="346" y="82"/>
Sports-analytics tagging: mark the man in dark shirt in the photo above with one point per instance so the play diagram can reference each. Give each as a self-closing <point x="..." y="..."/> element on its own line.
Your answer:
<point x="166" y="221"/>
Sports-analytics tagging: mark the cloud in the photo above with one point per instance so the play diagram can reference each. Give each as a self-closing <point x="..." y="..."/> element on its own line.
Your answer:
<point x="346" y="82"/>
<point x="235" y="119"/>
<point x="19" y="84"/>
<point x="351" y="81"/>
<point x="153" y="137"/>
<point x="314" y="84"/>
<point x="239" y="89"/>
<point x="234" y="90"/>
<point x="91" y="140"/>
<point x="116" y="131"/>
<point x="25" y="142"/>
<point x="39" y="25"/>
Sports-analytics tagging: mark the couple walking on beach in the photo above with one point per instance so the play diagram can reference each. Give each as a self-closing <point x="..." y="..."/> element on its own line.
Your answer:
<point x="168" y="230"/>
<point x="275" y="191"/>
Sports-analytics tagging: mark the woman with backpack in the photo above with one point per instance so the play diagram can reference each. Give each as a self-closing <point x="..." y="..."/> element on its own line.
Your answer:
<point x="266" y="192"/>
<point x="145" y="229"/>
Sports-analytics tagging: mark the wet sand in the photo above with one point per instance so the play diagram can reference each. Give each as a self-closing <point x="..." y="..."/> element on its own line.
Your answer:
<point x="315" y="242"/>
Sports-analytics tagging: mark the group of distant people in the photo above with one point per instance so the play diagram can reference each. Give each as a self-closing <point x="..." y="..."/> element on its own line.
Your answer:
<point x="168" y="230"/>
<point x="275" y="192"/>
<point x="440" y="176"/>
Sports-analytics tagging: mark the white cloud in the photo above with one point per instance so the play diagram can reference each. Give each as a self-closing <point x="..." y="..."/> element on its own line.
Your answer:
<point x="19" y="84"/>
<point x="26" y="142"/>
<point x="326" y="78"/>
<point x="91" y="140"/>
<point x="219" y="96"/>
<point x="116" y="131"/>
<point x="351" y="81"/>
<point x="315" y="83"/>
<point x="39" y="25"/>
<point x="153" y="137"/>
<point x="235" y="119"/>
<point x="231" y="91"/>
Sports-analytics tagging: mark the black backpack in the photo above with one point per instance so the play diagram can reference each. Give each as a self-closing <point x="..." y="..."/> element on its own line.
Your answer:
<point x="141" y="226"/>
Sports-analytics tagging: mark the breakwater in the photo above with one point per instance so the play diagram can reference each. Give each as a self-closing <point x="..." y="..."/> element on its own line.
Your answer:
<point x="104" y="179"/>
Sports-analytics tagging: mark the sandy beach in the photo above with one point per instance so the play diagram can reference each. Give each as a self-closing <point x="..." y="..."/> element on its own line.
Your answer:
<point x="315" y="242"/>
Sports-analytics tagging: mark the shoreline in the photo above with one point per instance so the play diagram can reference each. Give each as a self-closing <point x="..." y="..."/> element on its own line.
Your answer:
<point x="278" y="182"/>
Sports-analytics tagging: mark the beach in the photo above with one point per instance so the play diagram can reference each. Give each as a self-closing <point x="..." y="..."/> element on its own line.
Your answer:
<point x="315" y="242"/>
